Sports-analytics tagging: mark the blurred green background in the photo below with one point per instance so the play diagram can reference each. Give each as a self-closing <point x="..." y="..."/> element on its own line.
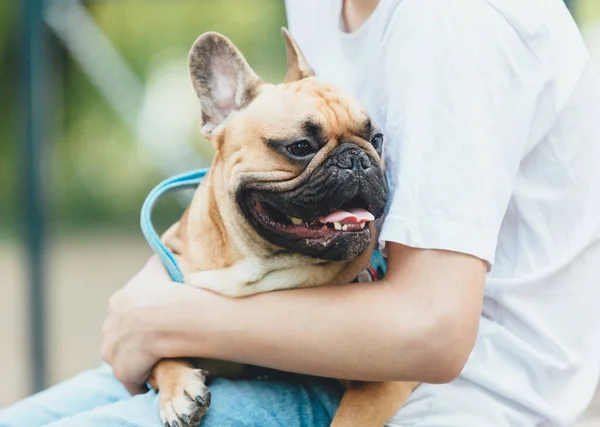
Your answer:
<point x="96" y="174"/>
<point x="121" y="115"/>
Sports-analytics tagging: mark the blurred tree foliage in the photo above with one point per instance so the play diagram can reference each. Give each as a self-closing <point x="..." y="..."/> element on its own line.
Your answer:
<point x="97" y="176"/>
<point x="586" y="11"/>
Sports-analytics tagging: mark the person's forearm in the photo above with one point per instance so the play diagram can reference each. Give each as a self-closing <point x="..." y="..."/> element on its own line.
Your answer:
<point x="363" y="332"/>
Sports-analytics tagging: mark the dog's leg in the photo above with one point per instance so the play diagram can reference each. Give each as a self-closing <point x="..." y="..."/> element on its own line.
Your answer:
<point x="371" y="404"/>
<point x="183" y="396"/>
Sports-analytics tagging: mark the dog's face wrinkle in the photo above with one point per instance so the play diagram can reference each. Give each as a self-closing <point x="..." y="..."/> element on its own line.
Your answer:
<point x="329" y="182"/>
<point x="314" y="130"/>
<point x="312" y="133"/>
<point x="282" y="181"/>
<point x="332" y="108"/>
<point x="328" y="188"/>
<point x="270" y="182"/>
<point x="367" y="129"/>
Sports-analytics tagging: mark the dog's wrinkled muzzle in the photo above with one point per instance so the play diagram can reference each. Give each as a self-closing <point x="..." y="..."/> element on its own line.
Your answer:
<point x="349" y="179"/>
<point x="345" y="177"/>
<point x="351" y="157"/>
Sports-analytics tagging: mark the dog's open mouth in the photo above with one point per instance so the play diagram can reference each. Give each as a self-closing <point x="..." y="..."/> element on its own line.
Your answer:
<point x="325" y="222"/>
<point x="352" y="217"/>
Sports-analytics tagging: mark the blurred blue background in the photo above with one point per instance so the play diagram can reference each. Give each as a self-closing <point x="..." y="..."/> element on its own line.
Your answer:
<point x="97" y="109"/>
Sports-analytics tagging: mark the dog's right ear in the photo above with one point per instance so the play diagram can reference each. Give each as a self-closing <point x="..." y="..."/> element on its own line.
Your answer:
<point x="223" y="80"/>
<point x="297" y="66"/>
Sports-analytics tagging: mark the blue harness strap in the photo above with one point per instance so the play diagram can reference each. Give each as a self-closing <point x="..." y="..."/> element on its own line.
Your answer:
<point x="192" y="179"/>
<point x="185" y="180"/>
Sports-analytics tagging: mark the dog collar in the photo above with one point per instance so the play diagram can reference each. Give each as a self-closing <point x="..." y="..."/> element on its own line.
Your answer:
<point x="178" y="182"/>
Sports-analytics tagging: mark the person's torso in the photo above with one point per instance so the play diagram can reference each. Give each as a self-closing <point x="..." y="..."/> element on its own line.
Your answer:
<point x="536" y="344"/>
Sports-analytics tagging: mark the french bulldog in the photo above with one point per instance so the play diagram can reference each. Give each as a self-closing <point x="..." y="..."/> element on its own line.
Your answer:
<point x="290" y="200"/>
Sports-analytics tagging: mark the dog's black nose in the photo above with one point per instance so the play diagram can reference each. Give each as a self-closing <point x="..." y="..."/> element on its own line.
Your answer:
<point x="350" y="156"/>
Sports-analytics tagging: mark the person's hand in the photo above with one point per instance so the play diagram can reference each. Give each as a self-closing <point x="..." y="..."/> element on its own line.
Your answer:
<point x="134" y="320"/>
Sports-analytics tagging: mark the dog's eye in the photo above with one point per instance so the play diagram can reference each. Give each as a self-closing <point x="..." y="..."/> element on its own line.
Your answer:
<point x="377" y="141"/>
<point x="301" y="148"/>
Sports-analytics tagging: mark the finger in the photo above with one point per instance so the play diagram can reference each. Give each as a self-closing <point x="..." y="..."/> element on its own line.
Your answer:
<point x="107" y="325"/>
<point x="106" y="352"/>
<point x="134" y="388"/>
<point x="110" y="325"/>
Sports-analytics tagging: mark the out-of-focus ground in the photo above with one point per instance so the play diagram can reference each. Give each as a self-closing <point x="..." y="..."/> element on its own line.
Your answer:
<point x="84" y="271"/>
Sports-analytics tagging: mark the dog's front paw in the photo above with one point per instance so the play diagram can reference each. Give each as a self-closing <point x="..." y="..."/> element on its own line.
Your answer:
<point x="184" y="402"/>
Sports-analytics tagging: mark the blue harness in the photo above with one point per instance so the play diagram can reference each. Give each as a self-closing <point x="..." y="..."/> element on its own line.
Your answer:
<point x="192" y="179"/>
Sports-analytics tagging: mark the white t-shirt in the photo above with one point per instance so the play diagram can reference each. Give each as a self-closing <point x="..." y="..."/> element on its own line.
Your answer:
<point x="491" y="114"/>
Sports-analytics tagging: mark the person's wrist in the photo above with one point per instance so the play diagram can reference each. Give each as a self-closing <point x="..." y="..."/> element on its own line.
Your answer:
<point x="180" y="324"/>
<point x="144" y="322"/>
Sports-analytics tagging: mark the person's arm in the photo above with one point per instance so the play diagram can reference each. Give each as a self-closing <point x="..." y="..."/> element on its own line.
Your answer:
<point x="418" y="324"/>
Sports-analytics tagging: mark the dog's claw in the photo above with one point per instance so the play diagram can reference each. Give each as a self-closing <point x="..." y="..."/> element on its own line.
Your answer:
<point x="186" y="402"/>
<point x="204" y="401"/>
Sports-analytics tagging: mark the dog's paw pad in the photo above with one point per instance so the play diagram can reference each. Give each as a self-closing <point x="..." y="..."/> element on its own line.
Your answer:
<point x="185" y="404"/>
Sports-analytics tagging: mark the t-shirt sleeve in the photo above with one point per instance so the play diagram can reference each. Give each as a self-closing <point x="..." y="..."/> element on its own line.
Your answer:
<point x="459" y="94"/>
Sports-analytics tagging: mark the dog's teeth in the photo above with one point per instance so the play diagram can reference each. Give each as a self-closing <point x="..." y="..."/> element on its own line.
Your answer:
<point x="362" y="224"/>
<point x="337" y="225"/>
<point x="296" y="221"/>
<point x="344" y="227"/>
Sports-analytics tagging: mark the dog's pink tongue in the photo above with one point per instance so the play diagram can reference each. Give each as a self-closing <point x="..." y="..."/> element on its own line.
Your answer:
<point x="351" y="216"/>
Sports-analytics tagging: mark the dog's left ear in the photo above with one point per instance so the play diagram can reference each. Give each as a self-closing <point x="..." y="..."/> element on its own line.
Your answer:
<point x="297" y="67"/>
<point x="223" y="80"/>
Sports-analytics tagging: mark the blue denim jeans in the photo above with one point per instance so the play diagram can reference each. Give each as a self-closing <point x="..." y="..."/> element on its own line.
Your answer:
<point x="96" y="399"/>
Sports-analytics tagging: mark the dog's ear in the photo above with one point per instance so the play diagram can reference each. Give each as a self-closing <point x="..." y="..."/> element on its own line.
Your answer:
<point x="223" y="80"/>
<point x="297" y="67"/>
